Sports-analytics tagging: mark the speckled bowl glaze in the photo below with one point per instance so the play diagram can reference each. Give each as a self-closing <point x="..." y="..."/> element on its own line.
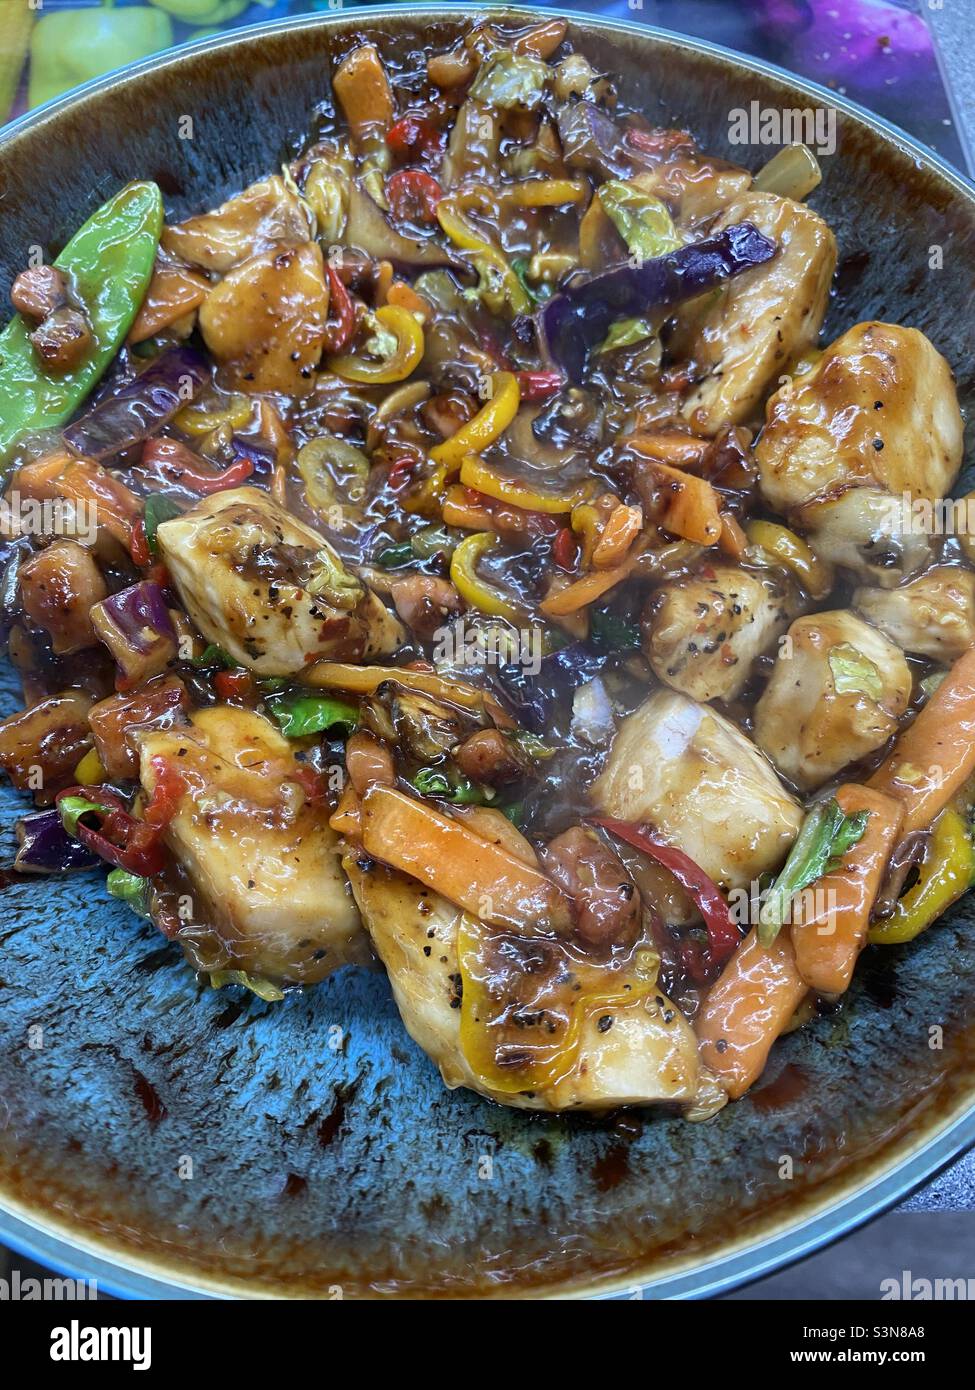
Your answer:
<point x="167" y="1138"/>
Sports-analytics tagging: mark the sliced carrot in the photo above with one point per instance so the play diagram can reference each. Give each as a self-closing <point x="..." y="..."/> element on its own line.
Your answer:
<point x="935" y="756"/>
<point x="173" y="292"/>
<point x="621" y="530"/>
<point x="368" y="761"/>
<point x="747" y="1008"/>
<point x="404" y="296"/>
<point x="828" y="940"/>
<point x="485" y="879"/>
<point x="590" y="587"/>
<point x="670" y="447"/>
<point x="690" y="506"/>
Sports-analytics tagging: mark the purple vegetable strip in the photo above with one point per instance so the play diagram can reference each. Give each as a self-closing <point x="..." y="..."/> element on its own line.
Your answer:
<point x="47" y="848"/>
<point x="137" y="629"/>
<point x="574" y="322"/>
<point x="141" y="407"/>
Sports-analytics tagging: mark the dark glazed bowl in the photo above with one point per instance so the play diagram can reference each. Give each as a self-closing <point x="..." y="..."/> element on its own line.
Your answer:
<point x="166" y="1138"/>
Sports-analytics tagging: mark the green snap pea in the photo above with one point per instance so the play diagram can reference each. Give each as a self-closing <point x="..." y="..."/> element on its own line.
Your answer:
<point x="109" y="262"/>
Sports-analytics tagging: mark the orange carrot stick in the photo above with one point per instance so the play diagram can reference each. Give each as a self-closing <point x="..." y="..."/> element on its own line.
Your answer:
<point x="483" y="878"/>
<point x="935" y="756"/>
<point x="828" y="940"/>
<point x="747" y="1008"/>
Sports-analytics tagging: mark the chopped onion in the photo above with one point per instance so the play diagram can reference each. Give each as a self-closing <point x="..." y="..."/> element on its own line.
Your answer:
<point x="136" y="627"/>
<point x="140" y="407"/>
<point x="47" y="848"/>
<point x="792" y="173"/>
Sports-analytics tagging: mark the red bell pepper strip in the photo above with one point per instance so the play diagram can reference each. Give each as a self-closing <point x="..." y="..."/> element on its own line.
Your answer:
<point x="338" y="334"/>
<point x="184" y="466"/>
<point x="539" y="386"/>
<point x="119" y="838"/>
<point x="724" y="938"/>
<point x="413" y="196"/>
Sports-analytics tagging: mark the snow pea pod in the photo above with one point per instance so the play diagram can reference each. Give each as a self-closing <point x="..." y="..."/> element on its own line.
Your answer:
<point x="109" y="264"/>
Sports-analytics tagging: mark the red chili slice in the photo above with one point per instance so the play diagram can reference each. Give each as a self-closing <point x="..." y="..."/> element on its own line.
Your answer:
<point x="538" y="386"/>
<point x="413" y="197"/>
<point x="565" y="550"/>
<point x="338" y="334"/>
<point x="413" y="137"/>
<point x="724" y="938"/>
<point x="186" y="467"/>
<point x="119" y="838"/>
<point x="139" y="545"/>
<point x="234" y="685"/>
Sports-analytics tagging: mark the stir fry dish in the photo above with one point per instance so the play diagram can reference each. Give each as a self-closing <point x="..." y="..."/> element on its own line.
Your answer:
<point x="458" y="551"/>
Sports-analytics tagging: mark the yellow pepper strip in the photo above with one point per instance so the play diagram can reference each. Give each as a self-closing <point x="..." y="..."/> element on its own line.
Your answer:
<point x="947" y="871"/>
<point x="478" y="592"/>
<point x="196" y="419"/>
<point x="552" y="1054"/>
<point x="499" y="285"/>
<point x="475" y="474"/>
<point x="783" y="545"/>
<point x="490" y="422"/>
<point x="395" y="365"/>
<point x="544" y="193"/>
<point x="90" y="771"/>
<point x="457" y="511"/>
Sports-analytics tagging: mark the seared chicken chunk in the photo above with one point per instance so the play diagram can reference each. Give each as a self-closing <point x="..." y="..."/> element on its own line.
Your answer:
<point x="933" y="615"/>
<point x="866" y="531"/>
<point x="59" y="586"/>
<point x="268" y="213"/>
<point x="699" y="782"/>
<point x="266" y="320"/>
<point x="267" y="891"/>
<point x="268" y="589"/>
<point x="878" y="411"/>
<point x="762" y="319"/>
<point x="835" y="695"/>
<point x="703" y="632"/>
<point x="627" y="1052"/>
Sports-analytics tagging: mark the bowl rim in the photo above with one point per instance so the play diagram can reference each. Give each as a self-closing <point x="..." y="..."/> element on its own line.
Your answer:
<point x="55" y="1244"/>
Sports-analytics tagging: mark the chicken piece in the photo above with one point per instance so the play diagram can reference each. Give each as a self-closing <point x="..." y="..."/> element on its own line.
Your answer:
<point x="878" y="409"/>
<point x="268" y="589"/>
<point x="627" y="1053"/>
<point x="933" y="615"/>
<point x="608" y="909"/>
<point x="266" y="320"/>
<point x="117" y="721"/>
<point x="762" y="319"/>
<point x="700" y="783"/>
<point x="267" y="214"/>
<point x="695" y="186"/>
<point x="267" y="889"/>
<point x="835" y="695"/>
<point x="867" y="531"/>
<point x="58" y="587"/>
<point x="702" y="632"/>
<point x="40" y="747"/>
